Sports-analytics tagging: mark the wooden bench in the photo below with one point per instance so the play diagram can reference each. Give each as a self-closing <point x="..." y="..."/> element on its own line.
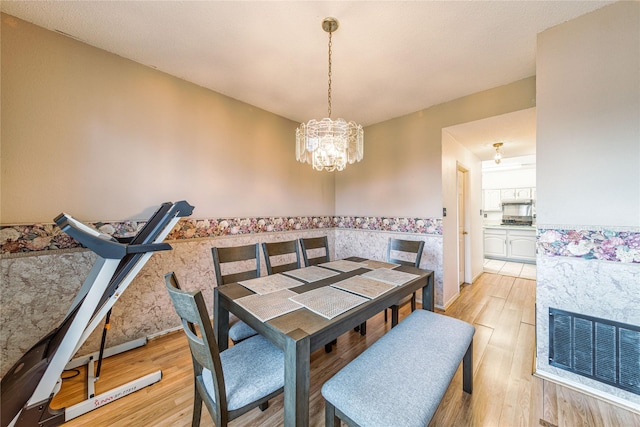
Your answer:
<point x="401" y="379"/>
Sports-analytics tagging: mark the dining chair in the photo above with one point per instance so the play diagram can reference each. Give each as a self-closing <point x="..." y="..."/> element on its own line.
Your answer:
<point x="404" y="252"/>
<point x="315" y="250"/>
<point x="232" y="382"/>
<point x="241" y="256"/>
<point x="282" y="252"/>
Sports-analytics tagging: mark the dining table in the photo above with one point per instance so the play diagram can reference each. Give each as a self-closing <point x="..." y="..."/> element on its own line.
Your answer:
<point x="302" y="310"/>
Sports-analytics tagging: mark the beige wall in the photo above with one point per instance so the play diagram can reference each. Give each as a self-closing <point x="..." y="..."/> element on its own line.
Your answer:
<point x="401" y="173"/>
<point x="104" y="138"/>
<point x="405" y="172"/>
<point x="588" y="123"/>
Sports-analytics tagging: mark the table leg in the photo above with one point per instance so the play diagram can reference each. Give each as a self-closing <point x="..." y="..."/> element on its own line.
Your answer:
<point x="428" y="294"/>
<point x="297" y="353"/>
<point x="220" y="322"/>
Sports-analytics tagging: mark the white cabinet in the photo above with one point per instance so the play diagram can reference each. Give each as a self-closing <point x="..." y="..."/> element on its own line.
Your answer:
<point x="521" y="245"/>
<point x="508" y="193"/>
<point x="510" y="244"/>
<point x="516" y="193"/>
<point x="491" y="200"/>
<point x="523" y="193"/>
<point x="495" y="243"/>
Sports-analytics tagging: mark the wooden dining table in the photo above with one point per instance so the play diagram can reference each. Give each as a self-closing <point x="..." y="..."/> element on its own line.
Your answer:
<point x="302" y="331"/>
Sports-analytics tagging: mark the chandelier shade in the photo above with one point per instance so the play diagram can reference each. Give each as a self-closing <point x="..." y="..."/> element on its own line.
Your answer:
<point x="329" y="144"/>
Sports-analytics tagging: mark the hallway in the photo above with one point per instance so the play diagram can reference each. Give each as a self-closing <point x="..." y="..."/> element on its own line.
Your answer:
<point x="508" y="268"/>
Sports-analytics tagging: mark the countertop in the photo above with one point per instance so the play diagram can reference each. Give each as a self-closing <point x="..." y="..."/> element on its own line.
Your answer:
<point x="510" y="227"/>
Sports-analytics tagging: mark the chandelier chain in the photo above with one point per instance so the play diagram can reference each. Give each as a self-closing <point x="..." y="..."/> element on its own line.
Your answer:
<point x="329" y="91"/>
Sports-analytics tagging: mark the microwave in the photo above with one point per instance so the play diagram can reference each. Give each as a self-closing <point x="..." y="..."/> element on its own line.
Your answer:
<point x="517" y="212"/>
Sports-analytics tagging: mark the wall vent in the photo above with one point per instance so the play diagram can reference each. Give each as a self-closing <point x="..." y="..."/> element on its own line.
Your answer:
<point x="604" y="350"/>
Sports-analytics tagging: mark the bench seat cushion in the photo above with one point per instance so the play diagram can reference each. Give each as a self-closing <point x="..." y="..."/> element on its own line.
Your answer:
<point x="401" y="378"/>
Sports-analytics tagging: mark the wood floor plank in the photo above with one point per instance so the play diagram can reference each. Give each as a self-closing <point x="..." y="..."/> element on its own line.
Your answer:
<point x="505" y="392"/>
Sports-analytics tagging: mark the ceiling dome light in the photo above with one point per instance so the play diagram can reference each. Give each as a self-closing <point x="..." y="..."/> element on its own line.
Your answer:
<point x="498" y="156"/>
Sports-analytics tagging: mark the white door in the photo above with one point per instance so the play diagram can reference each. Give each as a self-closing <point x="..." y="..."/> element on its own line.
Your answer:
<point x="462" y="234"/>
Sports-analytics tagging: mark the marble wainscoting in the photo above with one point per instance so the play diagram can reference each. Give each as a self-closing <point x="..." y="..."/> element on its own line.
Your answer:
<point x="603" y="289"/>
<point x="373" y="245"/>
<point x="39" y="287"/>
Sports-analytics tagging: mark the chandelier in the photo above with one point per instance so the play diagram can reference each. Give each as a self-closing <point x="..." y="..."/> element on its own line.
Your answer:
<point x="329" y="144"/>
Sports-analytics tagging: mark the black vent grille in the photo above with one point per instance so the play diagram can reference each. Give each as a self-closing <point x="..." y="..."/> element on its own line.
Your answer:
<point x="600" y="349"/>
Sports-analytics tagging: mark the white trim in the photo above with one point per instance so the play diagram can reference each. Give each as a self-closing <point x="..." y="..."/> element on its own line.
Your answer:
<point x="111" y="395"/>
<point x="589" y="391"/>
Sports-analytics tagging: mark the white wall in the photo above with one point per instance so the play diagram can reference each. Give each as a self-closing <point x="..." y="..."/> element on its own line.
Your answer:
<point x="516" y="178"/>
<point x="455" y="155"/>
<point x="588" y="158"/>
<point x="589" y="119"/>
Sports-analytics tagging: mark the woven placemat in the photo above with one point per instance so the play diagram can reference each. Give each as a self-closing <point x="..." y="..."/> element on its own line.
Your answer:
<point x="393" y="277"/>
<point x="329" y="302"/>
<point x="268" y="284"/>
<point x="311" y="274"/>
<point x="364" y="286"/>
<point x="268" y="306"/>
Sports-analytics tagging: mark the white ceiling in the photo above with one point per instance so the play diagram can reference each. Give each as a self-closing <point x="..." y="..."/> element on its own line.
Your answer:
<point x="390" y="58"/>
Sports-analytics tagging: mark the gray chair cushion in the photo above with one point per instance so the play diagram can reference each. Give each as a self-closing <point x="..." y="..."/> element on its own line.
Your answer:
<point x="239" y="331"/>
<point x="401" y="378"/>
<point x="252" y="369"/>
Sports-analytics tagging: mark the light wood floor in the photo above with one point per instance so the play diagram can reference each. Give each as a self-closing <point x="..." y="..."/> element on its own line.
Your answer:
<point x="505" y="393"/>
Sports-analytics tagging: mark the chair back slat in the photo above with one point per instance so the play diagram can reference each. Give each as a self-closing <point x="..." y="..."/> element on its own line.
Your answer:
<point x="236" y="254"/>
<point x="314" y="245"/>
<point x="192" y="311"/>
<point x="278" y="251"/>
<point x="405" y="252"/>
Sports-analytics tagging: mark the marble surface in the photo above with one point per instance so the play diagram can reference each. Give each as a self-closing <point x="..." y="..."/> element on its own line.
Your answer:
<point x="38" y="288"/>
<point x="373" y="245"/>
<point x="604" y="289"/>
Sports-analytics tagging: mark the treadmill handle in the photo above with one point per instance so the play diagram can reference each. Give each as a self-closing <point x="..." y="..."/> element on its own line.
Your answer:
<point x="149" y="247"/>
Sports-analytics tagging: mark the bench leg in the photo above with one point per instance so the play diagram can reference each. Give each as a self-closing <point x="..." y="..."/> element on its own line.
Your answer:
<point x="394" y="315"/>
<point x="330" y="418"/>
<point x="467" y="369"/>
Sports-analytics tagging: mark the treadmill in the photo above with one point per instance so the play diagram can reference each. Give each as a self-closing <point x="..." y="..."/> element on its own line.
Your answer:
<point x="27" y="388"/>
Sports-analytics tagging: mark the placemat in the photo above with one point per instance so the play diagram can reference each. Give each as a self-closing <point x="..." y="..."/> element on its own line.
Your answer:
<point x="342" y="265"/>
<point x="370" y="263"/>
<point x="268" y="306"/>
<point x="268" y="284"/>
<point x="364" y="286"/>
<point x="311" y="274"/>
<point x="393" y="277"/>
<point x="329" y="302"/>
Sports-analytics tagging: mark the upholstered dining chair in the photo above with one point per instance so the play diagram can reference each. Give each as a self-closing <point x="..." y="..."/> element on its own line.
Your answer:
<point x="282" y="252"/>
<point x="231" y="382"/>
<point x="249" y="257"/>
<point x="315" y="250"/>
<point x="404" y="252"/>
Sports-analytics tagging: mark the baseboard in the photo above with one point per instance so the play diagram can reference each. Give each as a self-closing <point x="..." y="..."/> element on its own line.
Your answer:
<point x="589" y="391"/>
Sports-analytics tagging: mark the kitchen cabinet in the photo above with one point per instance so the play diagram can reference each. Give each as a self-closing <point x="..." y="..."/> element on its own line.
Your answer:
<point x="495" y="243"/>
<point x="516" y="193"/>
<point x="516" y="244"/>
<point x="492" y="200"/>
